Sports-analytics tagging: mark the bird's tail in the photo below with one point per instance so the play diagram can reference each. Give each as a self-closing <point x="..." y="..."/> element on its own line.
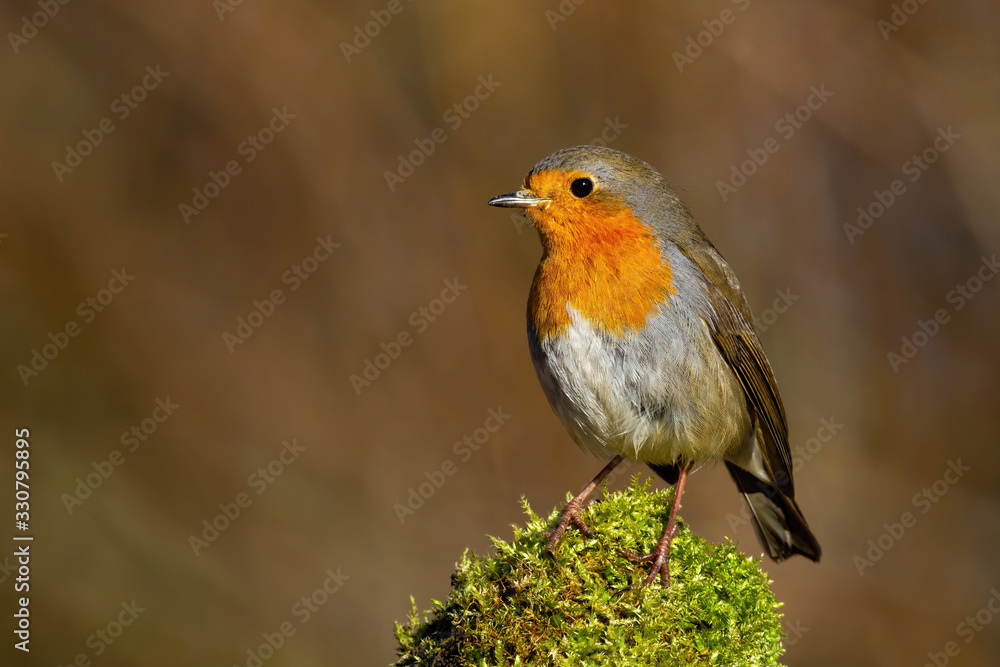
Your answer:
<point x="776" y="518"/>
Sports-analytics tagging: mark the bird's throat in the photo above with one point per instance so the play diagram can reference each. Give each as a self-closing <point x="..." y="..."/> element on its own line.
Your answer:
<point x="611" y="271"/>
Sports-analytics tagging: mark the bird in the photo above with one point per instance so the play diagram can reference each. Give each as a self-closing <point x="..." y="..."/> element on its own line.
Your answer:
<point x="645" y="347"/>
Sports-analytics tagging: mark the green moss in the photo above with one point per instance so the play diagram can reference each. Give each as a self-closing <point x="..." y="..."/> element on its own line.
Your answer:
<point x="523" y="607"/>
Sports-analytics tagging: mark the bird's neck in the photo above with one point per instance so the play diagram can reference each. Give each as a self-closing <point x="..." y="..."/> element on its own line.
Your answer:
<point x="611" y="273"/>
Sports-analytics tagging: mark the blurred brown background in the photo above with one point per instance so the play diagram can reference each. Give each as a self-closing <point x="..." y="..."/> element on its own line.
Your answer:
<point x="832" y="304"/>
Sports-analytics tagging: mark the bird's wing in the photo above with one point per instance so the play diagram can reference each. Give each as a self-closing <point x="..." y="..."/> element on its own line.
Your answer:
<point x="737" y="341"/>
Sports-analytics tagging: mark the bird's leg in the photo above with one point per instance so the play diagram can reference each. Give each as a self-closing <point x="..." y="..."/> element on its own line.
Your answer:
<point x="661" y="554"/>
<point x="574" y="508"/>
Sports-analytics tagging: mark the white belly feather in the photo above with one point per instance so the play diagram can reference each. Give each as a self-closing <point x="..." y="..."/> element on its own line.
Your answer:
<point x="652" y="396"/>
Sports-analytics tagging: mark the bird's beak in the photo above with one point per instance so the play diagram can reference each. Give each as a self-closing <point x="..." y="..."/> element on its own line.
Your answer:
<point x="519" y="199"/>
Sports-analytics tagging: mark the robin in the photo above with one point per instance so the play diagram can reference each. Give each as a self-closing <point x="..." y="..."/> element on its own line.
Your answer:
<point x="643" y="342"/>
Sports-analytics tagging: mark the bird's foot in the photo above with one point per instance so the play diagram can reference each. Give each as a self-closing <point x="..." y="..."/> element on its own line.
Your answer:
<point x="571" y="514"/>
<point x="660" y="557"/>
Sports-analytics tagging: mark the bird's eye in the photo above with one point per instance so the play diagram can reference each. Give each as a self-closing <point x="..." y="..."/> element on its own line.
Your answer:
<point x="581" y="187"/>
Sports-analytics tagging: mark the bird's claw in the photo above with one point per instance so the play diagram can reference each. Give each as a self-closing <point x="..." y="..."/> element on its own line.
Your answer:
<point x="571" y="514"/>
<point x="660" y="557"/>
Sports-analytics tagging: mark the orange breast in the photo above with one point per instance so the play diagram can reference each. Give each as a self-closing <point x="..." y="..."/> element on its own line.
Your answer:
<point x="602" y="261"/>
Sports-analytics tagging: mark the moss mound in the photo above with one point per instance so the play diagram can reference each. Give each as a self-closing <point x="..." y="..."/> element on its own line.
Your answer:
<point x="523" y="607"/>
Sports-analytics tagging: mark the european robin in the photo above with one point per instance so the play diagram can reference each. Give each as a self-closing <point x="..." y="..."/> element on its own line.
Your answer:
<point x="645" y="346"/>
